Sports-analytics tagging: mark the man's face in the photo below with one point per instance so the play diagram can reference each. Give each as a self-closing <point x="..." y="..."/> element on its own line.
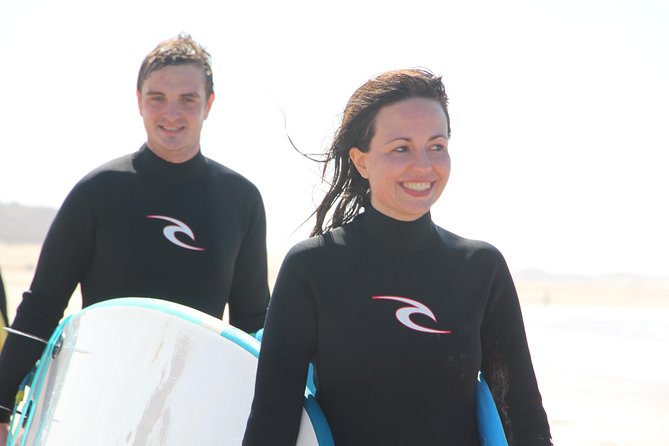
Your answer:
<point x="174" y="106"/>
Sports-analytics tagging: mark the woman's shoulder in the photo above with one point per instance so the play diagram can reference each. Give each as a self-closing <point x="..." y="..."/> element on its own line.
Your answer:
<point x="468" y="247"/>
<point x="331" y="240"/>
<point x="333" y="243"/>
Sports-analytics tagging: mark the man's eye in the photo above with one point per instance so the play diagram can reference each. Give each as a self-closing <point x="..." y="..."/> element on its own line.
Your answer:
<point x="189" y="100"/>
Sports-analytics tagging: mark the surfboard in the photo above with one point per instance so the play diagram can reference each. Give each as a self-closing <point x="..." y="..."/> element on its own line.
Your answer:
<point x="137" y="371"/>
<point x="3" y="332"/>
<point x="491" y="432"/>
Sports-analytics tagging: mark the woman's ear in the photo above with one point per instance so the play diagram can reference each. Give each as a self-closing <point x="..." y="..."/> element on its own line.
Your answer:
<point x="359" y="159"/>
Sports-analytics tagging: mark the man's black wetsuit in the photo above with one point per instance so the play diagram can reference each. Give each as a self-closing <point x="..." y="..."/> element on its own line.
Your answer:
<point x="398" y="318"/>
<point x="191" y="233"/>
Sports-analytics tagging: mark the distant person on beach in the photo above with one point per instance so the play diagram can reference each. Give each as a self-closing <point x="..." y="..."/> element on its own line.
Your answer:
<point x="4" y="322"/>
<point x="397" y="315"/>
<point x="164" y="222"/>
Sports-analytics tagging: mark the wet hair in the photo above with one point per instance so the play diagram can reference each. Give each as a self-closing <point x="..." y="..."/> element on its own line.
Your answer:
<point x="348" y="191"/>
<point x="180" y="50"/>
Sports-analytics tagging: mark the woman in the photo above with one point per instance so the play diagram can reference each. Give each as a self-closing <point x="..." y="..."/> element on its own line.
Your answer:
<point x="397" y="314"/>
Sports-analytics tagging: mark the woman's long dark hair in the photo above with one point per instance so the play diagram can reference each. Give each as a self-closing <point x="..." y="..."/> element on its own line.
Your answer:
<point x="348" y="191"/>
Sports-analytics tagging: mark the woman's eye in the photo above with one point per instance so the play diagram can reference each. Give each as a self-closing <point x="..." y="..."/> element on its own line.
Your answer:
<point x="437" y="147"/>
<point x="400" y="149"/>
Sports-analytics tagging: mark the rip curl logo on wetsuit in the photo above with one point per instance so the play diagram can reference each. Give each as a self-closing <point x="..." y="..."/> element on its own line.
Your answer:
<point x="178" y="227"/>
<point x="404" y="314"/>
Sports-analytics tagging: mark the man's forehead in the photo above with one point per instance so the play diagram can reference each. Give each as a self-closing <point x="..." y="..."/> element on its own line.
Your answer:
<point x="183" y="79"/>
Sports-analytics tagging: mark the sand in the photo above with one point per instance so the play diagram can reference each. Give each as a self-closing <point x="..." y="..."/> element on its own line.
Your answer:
<point x="598" y="348"/>
<point x="17" y="264"/>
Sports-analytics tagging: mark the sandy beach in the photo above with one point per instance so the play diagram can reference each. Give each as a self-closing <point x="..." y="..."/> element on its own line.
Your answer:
<point x="600" y="350"/>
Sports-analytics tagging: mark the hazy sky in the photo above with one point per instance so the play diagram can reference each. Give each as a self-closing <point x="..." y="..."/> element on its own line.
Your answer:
<point x="560" y="110"/>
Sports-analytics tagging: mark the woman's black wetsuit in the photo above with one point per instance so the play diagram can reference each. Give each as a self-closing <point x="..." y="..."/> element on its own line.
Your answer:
<point x="398" y="318"/>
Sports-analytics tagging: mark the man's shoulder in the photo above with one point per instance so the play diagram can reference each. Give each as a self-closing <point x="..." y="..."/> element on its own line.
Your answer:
<point x="122" y="164"/>
<point x="220" y="172"/>
<point x="101" y="183"/>
<point x="110" y="171"/>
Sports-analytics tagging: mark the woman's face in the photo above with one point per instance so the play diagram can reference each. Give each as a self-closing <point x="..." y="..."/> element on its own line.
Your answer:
<point x="407" y="164"/>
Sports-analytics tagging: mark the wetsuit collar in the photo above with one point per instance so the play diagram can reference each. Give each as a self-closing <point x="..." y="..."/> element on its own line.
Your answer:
<point x="393" y="235"/>
<point x="148" y="163"/>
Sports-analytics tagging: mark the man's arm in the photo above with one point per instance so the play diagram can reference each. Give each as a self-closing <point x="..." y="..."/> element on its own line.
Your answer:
<point x="65" y="254"/>
<point x="249" y="295"/>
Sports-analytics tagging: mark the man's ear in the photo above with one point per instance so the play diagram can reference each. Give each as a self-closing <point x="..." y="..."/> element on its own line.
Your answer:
<point x="207" y="107"/>
<point x="139" y="103"/>
<point x="359" y="159"/>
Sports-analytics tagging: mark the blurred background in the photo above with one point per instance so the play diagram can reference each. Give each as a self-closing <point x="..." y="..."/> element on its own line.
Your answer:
<point x="559" y="149"/>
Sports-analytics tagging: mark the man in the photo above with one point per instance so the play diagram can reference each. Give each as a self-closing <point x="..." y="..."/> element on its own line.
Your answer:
<point x="164" y="222"/>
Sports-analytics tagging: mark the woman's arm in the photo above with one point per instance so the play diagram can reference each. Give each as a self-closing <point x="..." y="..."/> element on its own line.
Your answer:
<point x="507" y="364"/>
<point x="288" y="344"/>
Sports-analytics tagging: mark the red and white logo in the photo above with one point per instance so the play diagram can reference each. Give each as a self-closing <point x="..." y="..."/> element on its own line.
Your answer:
<point x="404" y="314"/>
<point x="177" y="227"/>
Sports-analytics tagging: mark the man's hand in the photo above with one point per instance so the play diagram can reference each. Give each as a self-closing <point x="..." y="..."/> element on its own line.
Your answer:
<point x="4" y="432"/>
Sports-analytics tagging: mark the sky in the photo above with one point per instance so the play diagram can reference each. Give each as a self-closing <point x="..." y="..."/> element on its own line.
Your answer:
<point x="559" y="110"/>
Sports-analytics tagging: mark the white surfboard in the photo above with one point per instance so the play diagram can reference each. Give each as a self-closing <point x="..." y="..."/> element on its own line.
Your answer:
<point x="137" y="371"/>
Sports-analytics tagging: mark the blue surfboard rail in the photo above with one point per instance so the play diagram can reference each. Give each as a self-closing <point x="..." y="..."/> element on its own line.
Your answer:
<point x="26" y="416"/>
<point x="491" y="432"/>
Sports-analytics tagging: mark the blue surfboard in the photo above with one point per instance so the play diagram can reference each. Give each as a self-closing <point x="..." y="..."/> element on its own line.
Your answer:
<point x="491" y="432"/>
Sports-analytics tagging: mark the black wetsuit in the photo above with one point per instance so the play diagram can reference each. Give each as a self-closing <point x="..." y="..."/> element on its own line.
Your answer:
<point x="3" y="302"/>
<point x="389" y="377"/>
<point x="191" y="233"/>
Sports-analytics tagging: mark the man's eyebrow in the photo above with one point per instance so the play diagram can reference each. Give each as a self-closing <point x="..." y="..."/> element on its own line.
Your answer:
<point x="183" y="95"/>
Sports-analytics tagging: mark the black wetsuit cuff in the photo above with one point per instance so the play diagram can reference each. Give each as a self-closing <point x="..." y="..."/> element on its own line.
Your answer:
<point x="5" y="414"/>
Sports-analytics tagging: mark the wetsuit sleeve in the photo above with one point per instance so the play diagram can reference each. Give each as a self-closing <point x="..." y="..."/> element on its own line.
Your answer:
<point x="249" y="294"/>
<point x="3" y="302"/>
<point x="287" y="347"/>
<point x="3" y="334"/>
<point x="507" y="365"/>
<point x="64" y="256"/>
